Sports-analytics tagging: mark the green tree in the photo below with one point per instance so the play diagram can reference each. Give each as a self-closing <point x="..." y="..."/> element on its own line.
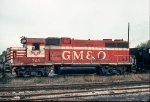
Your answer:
<point x="2" y="56"/>
<point x="145" y="44"/>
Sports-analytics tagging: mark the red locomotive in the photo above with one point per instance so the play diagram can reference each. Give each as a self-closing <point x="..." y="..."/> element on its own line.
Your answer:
<point x="39" y="56"/>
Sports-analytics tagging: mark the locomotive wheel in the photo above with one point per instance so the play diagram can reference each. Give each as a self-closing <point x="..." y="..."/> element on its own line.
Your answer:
<point x="39" y="73"/>
<point x="27" y="73"/>
<point x="114" y="71"/>
<point x="119" y="71"/>
<point x="18" y="74"/>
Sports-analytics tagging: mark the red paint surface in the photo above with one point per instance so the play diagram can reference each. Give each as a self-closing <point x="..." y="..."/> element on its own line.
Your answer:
<point x="84" y="53"/>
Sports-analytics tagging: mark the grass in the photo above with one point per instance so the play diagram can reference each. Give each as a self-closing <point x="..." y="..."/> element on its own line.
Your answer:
<point x="64" y="79"/>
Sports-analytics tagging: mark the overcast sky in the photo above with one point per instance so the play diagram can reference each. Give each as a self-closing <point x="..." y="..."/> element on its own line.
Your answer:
<point x="82" y="19"/>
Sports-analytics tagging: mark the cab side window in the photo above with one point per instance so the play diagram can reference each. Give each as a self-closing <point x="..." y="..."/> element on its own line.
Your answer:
<point x="35" y="46"/>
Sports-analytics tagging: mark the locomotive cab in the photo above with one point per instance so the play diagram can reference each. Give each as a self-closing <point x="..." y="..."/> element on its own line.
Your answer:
<point x="34" y="46"/>
<point x="33" y="63"/>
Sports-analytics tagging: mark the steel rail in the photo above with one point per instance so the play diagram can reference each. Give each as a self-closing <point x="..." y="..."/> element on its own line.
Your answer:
<point x="80" y="93"/>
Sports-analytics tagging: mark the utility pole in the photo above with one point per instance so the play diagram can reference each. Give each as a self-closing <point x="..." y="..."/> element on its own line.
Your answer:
<point x="149" y="20"/>
<point x="128" y="33"/>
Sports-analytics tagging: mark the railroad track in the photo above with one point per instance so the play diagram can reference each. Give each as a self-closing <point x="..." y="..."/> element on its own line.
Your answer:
<point x="6" y="88"/>
<point x="77" y="93"/>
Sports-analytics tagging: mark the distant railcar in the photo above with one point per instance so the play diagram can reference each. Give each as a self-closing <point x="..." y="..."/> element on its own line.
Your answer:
<point x="142" y="56"/>
<point x="39" y="56"/>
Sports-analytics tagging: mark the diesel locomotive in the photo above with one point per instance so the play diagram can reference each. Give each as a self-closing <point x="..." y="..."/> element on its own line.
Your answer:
<point x="40" y="56"/>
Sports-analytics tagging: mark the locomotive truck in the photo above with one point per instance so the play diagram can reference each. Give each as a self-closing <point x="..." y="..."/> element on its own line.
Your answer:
<point x="40" y="56"/>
